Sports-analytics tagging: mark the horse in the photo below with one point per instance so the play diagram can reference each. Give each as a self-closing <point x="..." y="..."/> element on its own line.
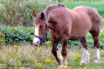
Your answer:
<point x="65" y="24"/>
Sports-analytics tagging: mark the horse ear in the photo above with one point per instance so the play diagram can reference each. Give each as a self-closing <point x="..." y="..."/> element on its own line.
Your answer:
<point x="34" y="13"/>
<point x="42" y="15"/>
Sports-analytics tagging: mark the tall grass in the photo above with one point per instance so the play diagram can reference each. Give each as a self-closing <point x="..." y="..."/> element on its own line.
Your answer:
<point x="31" y="57"/>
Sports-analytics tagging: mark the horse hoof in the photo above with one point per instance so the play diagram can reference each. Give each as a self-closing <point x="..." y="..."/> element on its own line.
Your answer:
<point x="84" y="62"/>
<point x="62" y="66"/>
<point x="96" y="60"/>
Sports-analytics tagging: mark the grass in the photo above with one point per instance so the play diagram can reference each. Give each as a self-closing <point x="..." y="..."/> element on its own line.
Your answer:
<point x="27" y="56"/>
<point x="98" y="6"/>
<point x="84" y="1"/>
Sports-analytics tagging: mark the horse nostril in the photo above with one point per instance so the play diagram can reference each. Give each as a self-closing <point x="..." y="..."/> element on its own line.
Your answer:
<point x="37" y="42"/>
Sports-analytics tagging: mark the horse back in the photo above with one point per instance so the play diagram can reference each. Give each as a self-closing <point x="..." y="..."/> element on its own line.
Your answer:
<point x="85" y="19"/>
<point x="92" y="13"/>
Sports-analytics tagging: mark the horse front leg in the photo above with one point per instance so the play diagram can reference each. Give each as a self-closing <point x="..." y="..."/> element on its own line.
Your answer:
<point x="64" y="53"/>
<point x="55" y="42"/>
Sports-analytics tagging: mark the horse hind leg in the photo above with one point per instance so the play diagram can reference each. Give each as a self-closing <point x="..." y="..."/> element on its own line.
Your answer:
<point x="95" y="35"/>
<point x="85" y="57"/>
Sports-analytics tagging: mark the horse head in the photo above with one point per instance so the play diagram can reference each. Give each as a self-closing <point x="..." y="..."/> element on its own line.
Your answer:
<point x="41" y="29"/>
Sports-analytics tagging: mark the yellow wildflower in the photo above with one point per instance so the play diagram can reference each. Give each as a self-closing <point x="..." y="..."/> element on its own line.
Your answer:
<point x="39" y="64"/>
<point x="101" y="31"/>
<point x="17" y="47"/>
<point x="1" y="64"/>
<point x="63" y="67"/>
<point x="59" y="68"/>
<point x="41" y="46"/>
<point x="53" y="61"/>
<point x="12" y="55"/>
<point x="19" y="62"/>
<point x="0" y="33"/>
<point x="66" y="67"/>
<point x="35" y="61"/>
<point x="47" y="60"/>
<point x="80" y="64"/>
<point x="77" y="56"/>
<point x="3" y="58"/>
<point x="48" y="42"/>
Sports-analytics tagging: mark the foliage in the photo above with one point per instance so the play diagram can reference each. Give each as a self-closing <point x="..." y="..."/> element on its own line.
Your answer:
<point x="20" y="12"/>
<point x="16" y="35"/>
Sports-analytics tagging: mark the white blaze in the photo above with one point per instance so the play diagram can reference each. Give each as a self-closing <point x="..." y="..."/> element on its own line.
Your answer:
<point x="36" y="40"/>
<point x="36" y="31"/>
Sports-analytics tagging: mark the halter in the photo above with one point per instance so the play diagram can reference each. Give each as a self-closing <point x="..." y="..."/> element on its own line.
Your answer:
<point x="44" y="37"/>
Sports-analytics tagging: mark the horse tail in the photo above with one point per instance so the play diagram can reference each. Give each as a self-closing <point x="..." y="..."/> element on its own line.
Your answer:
<point x="94" y="15"/>
<point x="96" y="20"/>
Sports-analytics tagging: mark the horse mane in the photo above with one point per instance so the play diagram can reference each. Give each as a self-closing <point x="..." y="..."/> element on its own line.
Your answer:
<point x="51" y="7"/>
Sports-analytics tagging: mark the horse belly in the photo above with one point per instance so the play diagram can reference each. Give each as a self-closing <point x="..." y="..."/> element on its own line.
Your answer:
<point x="80" y="29"/>
<point x="77" y="36"/>
<point x="78" y="33"/>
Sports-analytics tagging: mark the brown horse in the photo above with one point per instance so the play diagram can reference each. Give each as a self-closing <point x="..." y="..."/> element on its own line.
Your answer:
<point x="65" y="24"/>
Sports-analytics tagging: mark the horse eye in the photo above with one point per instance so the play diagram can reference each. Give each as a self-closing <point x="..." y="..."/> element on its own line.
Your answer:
<point x="41" y="26"/>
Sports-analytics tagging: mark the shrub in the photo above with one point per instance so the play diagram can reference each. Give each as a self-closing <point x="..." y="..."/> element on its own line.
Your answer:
<point x="20" y="12"/>
<point x="16" y="35"/>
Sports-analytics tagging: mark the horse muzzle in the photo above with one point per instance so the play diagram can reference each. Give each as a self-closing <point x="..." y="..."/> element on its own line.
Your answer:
<point x="37" y="41"/>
